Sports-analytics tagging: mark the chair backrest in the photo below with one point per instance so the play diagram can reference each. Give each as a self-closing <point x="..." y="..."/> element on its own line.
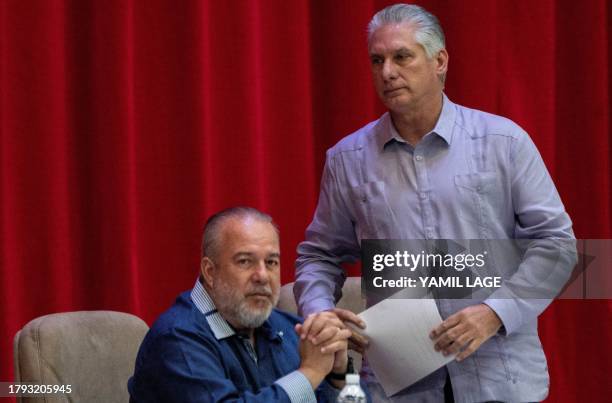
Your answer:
<point x="351" y="300"/>
<point x="93" y="351"/>
<point x="351" y="297"/>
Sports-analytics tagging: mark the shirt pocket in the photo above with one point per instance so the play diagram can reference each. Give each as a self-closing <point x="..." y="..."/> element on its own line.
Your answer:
<point x="492" y="363"/>
<point x="374" y="217"/>
<point x="477" y="196"/>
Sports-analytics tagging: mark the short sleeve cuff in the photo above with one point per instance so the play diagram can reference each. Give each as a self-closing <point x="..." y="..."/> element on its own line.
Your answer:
<point x="297" y="387"/>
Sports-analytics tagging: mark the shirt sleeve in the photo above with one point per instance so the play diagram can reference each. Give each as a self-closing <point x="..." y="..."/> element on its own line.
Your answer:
<point x="550" y="250"/>
<point x="297" y="387"/>
<point x="329" y="241"/>
<point x="183" y="367"/>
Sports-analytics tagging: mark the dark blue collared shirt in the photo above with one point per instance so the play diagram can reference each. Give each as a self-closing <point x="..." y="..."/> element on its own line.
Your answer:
<point x="192" y="354"/>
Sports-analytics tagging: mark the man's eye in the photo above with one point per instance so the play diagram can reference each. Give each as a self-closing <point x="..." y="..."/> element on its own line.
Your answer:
<point x="273" y="263"/>
<point x="401" y="57"/>
<point x="376" y="60"/>
<point x="244" y="262"/>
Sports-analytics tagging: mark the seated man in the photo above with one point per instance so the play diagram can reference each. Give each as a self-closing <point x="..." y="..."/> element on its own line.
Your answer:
<point x="224" y="341"/>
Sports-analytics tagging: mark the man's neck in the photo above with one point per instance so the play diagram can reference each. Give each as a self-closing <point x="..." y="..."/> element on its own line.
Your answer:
<point x="412" y="125"/>
<point x="244" y="332"/>
<point x="251" y="333"/>
<point x="247" y="331"/>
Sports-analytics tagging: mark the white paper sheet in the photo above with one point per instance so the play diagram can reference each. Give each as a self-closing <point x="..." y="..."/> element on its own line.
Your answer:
<point x="400" y="351"/>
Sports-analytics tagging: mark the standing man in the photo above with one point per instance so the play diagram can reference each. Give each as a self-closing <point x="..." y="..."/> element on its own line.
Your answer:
<point x="224" y="341"/>
<point x="432" y="169"/>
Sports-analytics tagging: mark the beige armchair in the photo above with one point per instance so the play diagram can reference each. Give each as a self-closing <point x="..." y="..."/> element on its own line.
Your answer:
<point x="93" y="351"/>
<point x="351" y="300"/>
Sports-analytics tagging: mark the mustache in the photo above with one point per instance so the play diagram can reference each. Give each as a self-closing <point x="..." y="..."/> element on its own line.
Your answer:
<point x="265" y="291"/>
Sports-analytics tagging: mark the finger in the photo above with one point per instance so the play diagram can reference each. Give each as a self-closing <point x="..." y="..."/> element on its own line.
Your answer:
<point x="450" y="322"/>
<point x="347" y="316"/>
<point x="334" y="346"/>
<point x="298" y="329"/>
<point x="323" y="321"/>
<point x="449" y="337"/>
<point x="316" y="321"/>
<point x="356" y="347"/>
<point x="468" y="350"/>
<point x="359" y="347"/>
<point x="318" y="324"/>
<point x="325" y="335"/>
<point x="455" y="347"/>
<point x="359" y="339"/>
<point x="306" y="326"/>
<point x="443" y="341"/>
<point x="339" y="334"/>
<point x="331" y="319"/>
<point x="344" y="334"/>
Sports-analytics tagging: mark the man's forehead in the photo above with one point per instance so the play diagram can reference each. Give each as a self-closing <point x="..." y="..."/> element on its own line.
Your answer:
<point x="247" y="227"/>
<point x="393" y="37"/>
<point x="249" y="236"/>
<point x="396" y="27"/>
<point x="256" y="251"/>
<point x="239" y="250"/>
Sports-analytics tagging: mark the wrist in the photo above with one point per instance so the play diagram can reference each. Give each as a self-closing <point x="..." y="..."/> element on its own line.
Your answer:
<point x="314" y="377"/>
<point x="337" y="377"/>
<point x="495" y="320"/>
<point x="336" y="383"/>
<point x="343" y="366"/>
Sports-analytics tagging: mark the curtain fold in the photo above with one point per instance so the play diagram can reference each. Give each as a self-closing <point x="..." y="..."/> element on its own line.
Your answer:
<point x="124" y="124"/>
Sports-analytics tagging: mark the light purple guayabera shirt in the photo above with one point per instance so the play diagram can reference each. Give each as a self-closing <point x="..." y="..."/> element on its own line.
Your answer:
<point x="474" y="176"/>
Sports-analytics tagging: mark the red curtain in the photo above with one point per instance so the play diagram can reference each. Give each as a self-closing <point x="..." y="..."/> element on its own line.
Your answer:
<point x="124" y="124"/>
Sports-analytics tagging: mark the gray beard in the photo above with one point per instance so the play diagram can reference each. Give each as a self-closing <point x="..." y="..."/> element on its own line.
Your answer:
<point x="233" y="306"/>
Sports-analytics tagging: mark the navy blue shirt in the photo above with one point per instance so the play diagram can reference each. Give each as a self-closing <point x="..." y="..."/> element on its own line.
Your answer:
<point x="191" y="354"/>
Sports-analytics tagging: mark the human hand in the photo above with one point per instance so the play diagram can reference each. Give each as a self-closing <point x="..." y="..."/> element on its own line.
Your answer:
<point x="465" y="331"/>
<point x="316" y="327"/>
<point x="357" y="342"/>
<point x="319" y="360"/>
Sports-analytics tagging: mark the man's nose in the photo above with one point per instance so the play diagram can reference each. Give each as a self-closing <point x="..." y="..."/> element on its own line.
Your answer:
<point x="260" y="273"/>
<point x="389" y="71"/>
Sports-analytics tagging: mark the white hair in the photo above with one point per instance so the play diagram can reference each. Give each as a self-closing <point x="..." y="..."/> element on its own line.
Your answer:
<point x="428" y="32"/>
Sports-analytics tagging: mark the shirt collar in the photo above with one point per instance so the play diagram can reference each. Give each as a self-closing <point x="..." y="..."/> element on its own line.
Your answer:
<point x="219" y="326"/>
<point x="443" y="127"/>
<point x="446" y="121"/>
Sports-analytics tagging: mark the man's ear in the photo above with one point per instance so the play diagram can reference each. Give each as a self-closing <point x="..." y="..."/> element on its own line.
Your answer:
<point x="207" y="269"/>
<point x="442" y="63"/>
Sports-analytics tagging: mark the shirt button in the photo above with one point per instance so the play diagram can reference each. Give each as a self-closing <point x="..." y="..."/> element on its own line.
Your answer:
<point x="419" y="158"/>
<point x="479" y="188"/>
<point x="423" y="196"/>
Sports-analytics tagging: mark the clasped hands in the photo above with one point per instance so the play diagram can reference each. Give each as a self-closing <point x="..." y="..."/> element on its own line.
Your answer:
<point x="461" y="333"/>
<point x="324" y="342"/>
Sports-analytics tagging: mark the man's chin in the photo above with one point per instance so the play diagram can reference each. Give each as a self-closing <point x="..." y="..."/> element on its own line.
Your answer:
<point x="397" y="102"/>
<point x="254" y="317"/>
